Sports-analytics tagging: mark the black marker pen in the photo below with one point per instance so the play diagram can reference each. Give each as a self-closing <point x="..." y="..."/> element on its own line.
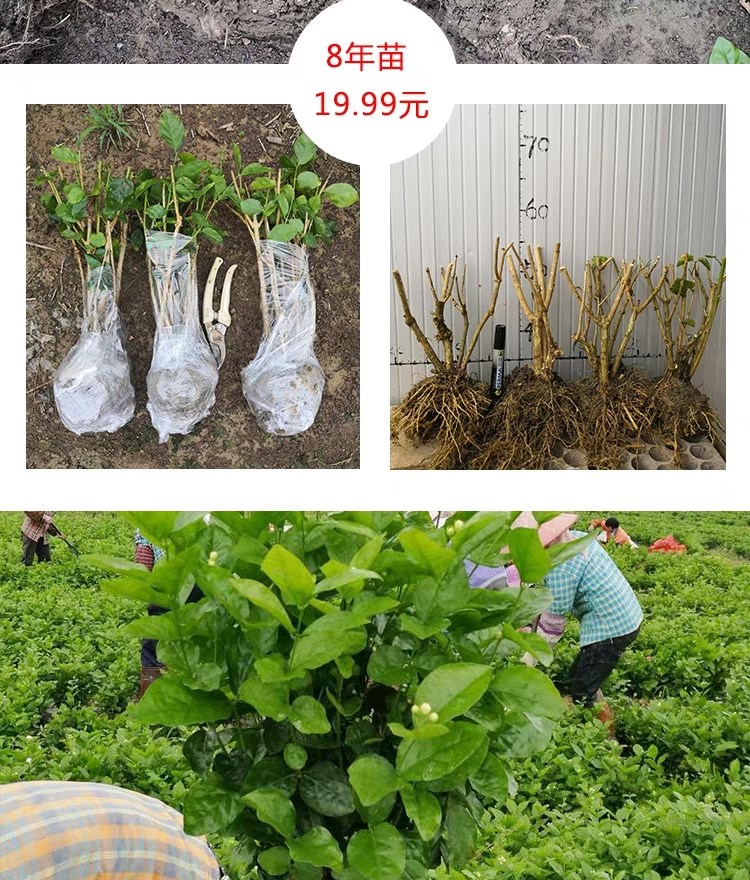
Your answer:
<point x="498" y="361"/>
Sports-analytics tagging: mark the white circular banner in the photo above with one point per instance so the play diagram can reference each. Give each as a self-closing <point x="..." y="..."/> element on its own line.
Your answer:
<point x="374" y="80"/>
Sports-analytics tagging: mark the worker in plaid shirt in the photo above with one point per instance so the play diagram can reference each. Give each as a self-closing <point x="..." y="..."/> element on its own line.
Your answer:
<point x="37" y="525"/>
<point x="87" y="830"/>
<point x="592" y="588"/>
<point x="148" y="554"/>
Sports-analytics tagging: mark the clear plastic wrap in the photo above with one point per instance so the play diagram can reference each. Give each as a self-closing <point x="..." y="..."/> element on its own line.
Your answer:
<point x="284" y="382"/>
<point x="183" y="375"/>
<point x="92" y="387"/>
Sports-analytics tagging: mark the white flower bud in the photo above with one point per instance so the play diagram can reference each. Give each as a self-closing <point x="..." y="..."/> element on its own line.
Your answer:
<point x="415" y="710"/>
<point x="433" y="717"/>
<point x="425" y="708"/>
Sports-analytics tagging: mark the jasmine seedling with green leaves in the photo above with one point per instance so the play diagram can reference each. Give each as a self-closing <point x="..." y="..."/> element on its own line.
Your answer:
<point x="89" y="205"/>
<point x="175" y="211"/>
<point x="285" y="210"/>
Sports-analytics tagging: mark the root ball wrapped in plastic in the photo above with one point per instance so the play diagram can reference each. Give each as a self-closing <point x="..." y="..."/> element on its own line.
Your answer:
<point x="183" y="375"/>
<point x="92" y="387"/>
<point x="284" y="382"/>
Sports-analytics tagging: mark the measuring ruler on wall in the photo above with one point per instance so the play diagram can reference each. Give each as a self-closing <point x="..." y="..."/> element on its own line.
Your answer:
<point x="533" y="211"/>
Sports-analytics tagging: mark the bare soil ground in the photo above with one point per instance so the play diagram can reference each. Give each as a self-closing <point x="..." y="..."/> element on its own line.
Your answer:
<point x="481" y="31"/>
<point x="229" y="437"/>
<point x="589" y="31"/>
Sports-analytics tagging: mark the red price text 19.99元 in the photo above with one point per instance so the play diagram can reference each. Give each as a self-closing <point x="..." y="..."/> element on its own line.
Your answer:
<point x="371" y="104"/>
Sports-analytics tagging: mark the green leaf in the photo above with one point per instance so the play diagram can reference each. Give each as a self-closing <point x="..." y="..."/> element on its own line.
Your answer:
<point x="527" y="690"/>
<point x="423" y="809"/>
<point x="560" y="553"/>
<point x="171" y="129"/>
<point x="97" y="239"/>
<point x="372" y="778"/>
<point x="75" y="194"/>
<point x="422" y="760"/>
<point x="389" y="665"/>
<point x="454" y="688"/>
<point x="304" y="149"/>
<point x="327" y="639"/>
<point x="254" y="169"/>
<point x="65" y="155"/>
<point x="308" y="180"/>
<point x="528" y="554"/>
<point x="160" y="526"/>
<point x="430" y="555"/>
<point x="262" y="597"/>
<point x="326" y="790"/>
<point x="346" y="578"/>
<point x="290" y="575"/>
<point x="274" y="808"/>
<point x="167" y="701"/>
<point x="378" y="853"/>
<point x="483" y="537"/>
<point x="425" y="731"/>
<point x="725" y="52"/>
<point x="295" y="756"/>
<point x="317" y="847"/>
<point x="422" y="630"/>
<point x="251" y="207"/>
<point x="156" y="212"/>
<point x="155" y="626"/>
<point x="309" y="716"/>
<point x="274" y="861"/>
<point x="533" y="643"/>
<point x="434" y="597"/>
<point x="271" y="700"/>
<point x="262" y="184"/>
<point x="342" y="195"/>
<point x="493" y="780"/>
<point x="118" y="565"/>
<point x="119" y="190"/>
<point x="460" y="831"/>
<point x="130" y="588"/>
<point x="212" y="234"/>
<point x="284" y="232"/>
<point x="208" y="808"/>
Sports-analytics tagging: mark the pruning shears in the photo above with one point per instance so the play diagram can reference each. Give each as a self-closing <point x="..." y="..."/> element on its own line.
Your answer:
<point x="217" y="323"/>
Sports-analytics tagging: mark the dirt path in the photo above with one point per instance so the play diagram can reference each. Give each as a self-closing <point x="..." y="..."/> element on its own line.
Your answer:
<point x="229" y="437"/>
<point x="589" y="31"/>
<point x="481" y="31"/>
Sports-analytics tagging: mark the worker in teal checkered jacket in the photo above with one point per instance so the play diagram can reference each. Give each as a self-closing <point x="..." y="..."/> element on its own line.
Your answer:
<point x="592" y="588"/>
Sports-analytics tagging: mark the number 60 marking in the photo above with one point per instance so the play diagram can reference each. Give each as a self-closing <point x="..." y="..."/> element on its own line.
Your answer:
<point x="534" y="212"/>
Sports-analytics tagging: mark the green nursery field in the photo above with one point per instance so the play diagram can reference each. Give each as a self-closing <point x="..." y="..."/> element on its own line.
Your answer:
<point x="668" y="798"/>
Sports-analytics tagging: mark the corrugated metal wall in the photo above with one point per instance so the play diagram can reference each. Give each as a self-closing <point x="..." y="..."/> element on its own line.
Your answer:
<point x="623" y="180"/>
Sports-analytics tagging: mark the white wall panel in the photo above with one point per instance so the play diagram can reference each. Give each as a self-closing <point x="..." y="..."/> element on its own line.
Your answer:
<point x="623" y="180"/>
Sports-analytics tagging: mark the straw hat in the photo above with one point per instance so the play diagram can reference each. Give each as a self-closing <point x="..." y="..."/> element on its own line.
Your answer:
<point x="548" y="531"/>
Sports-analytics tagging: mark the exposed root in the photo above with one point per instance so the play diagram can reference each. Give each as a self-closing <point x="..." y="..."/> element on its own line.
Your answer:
<point x="684" y="412"/>
<point x="448" y="408"/>
<point x="533" y="416"/>
<point x="615" y="418"/>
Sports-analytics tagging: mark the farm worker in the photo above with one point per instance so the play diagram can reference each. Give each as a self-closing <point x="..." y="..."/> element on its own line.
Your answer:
<point x="592" y="588"/>
<point x="612" y="532"/>
<point x="148" y="554"/>
<point x="34" y="535"/>
<point x="89" y="831"/>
